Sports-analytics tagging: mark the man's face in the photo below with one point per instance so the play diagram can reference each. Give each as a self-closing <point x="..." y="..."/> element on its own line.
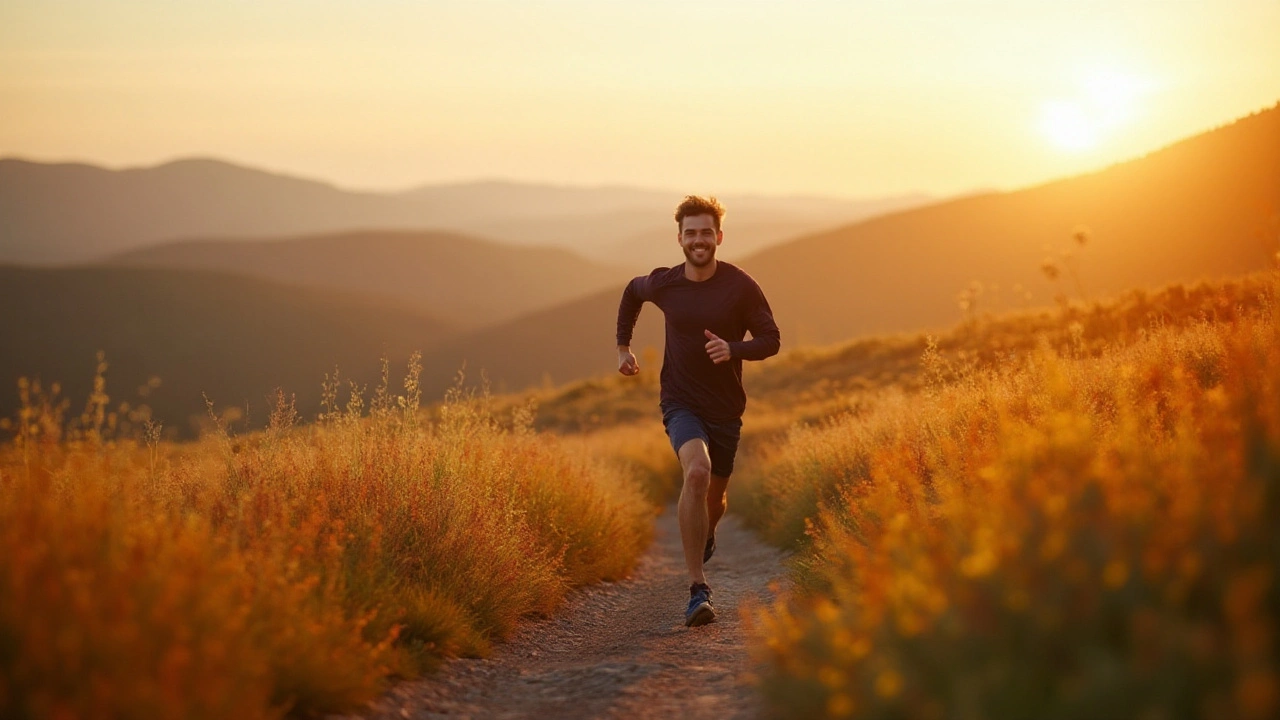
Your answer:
<point x="699" y="238"/>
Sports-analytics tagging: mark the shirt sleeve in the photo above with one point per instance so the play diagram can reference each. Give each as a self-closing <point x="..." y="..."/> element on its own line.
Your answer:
<point x="766" y="339"/>
<point x="633" y="297"/>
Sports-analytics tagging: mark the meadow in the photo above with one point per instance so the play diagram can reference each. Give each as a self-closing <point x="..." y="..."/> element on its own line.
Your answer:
<point x="292" y="571"/>
<point x="1066" y="512"/>
<point x="1074" y="514"/>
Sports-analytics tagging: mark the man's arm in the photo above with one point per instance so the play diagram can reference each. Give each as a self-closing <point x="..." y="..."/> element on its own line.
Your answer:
<point x="765" y="336"/>
<point x="633" y="297"/>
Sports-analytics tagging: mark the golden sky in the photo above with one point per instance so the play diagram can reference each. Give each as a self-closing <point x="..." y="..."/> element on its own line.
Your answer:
<point x="858" y="97"/>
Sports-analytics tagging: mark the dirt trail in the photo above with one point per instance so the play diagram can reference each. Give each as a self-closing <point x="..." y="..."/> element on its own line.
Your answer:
<point x="617" y="650"/>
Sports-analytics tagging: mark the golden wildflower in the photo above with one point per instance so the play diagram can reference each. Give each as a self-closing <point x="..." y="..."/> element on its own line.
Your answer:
<point x="888" y="684"/>
<point x="840" y="705"/>
<point x="1115" y="574"/>
<point x="979" y="563"/>
<point x="827" y="611"/>
<point x="831" y="677"/>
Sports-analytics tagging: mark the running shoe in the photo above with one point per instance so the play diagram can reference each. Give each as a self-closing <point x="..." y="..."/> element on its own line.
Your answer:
<point x="700" y="611"/>
<point x="710" y="549"/>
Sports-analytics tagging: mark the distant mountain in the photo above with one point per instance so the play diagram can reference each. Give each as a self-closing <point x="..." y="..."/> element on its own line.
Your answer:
<point x="464" y="280"/>
<point x="74" y="212"/>
<point x="235" y="339"/>
<point x="69" y="212"/>
<point x="1206" y="207"/>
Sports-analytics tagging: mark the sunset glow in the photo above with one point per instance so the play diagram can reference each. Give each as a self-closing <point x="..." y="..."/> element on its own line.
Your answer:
<point x="851" y="99"/>
<point x="1107" y="101"/>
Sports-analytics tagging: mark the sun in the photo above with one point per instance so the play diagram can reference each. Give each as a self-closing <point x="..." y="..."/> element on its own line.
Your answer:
<point x="1105" y="101"/>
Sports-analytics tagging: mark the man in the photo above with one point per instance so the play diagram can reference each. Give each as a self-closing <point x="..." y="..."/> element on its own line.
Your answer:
<point x="709" y="307"/>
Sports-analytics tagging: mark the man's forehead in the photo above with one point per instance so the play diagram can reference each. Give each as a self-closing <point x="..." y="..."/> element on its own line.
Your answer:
<point x="698" y="222"/>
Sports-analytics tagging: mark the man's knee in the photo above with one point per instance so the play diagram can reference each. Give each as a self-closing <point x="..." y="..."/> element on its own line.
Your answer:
<point x="697" y="476"/>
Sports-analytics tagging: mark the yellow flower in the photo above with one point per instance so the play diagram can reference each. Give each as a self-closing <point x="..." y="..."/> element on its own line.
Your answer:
<point x="888" y="684"/>
<point x="840" y="705"/>
<point x="979" y="563"/>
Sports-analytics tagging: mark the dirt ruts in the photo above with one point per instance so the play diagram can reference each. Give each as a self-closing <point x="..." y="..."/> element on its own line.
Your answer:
<point x="616" y="650"/>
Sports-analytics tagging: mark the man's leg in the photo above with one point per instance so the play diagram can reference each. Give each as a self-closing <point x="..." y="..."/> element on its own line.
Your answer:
<point x="717" y="502"/>
<point x="692" y="510"/>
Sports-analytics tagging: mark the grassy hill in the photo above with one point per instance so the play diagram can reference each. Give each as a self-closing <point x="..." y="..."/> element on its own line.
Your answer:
<point x="235" y="339"/>
<point x="812" y="384"/>
<point x="1206" y="207"/>
<point x="464" y="280"/>
<point x="1075" y="530"/>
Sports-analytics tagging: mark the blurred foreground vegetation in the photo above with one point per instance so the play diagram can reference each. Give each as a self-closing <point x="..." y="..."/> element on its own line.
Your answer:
<point x="292" y="571"/>
<point x="1061" y="516"/>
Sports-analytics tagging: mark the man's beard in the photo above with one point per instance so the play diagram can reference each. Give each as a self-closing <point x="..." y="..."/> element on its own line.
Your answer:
<point x="711" y="254"/>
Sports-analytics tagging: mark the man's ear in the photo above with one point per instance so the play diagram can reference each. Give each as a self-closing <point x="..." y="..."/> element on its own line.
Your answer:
<point x="719" y="236"/>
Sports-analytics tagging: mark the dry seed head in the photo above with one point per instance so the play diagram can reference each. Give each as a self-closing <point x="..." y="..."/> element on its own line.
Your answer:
<point x="1050" y="268"/>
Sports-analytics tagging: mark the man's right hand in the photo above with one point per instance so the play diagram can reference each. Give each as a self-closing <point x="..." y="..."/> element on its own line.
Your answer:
<point x="627" y="364"/>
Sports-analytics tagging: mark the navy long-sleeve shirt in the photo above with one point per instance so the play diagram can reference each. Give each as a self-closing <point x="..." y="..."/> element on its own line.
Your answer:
<point x="729" y="304"/>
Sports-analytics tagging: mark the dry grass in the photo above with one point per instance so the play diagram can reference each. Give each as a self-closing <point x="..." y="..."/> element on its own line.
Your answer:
<point x="1081" y="531"/>
<point x="291" y="571"/>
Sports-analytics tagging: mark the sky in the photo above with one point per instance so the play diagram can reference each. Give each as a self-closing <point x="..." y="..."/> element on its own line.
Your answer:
<point x="851" y="98"/>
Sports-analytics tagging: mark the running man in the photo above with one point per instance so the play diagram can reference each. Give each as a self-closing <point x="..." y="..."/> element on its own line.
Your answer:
<point x="709" y="306"/>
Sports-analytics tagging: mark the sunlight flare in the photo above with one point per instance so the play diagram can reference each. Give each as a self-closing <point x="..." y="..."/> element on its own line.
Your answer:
<point x="1105" y="101"/>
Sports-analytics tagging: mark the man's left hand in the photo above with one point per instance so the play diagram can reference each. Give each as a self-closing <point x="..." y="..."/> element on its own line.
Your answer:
<point x="718" y="349"/>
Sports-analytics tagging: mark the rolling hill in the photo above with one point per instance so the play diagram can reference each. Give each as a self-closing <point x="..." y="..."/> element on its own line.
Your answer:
<point x="235" y="339"/>
<point x="74" y="212"/>
<point x="1206" y="207"/>
<point x="463" y="280"/>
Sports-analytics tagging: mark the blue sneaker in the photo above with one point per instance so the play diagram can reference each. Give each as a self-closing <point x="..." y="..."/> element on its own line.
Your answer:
<point x="700" y="611"/>
<point x="710" y="549"/>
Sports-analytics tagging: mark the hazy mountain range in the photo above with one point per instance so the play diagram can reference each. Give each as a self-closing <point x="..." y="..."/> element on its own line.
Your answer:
<point x="465" y="281"/>
<point x="1207" y="206"/>
<point x="69" y="212"/>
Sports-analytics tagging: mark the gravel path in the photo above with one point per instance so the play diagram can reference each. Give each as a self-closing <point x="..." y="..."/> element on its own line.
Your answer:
<point x="617" y="650"/>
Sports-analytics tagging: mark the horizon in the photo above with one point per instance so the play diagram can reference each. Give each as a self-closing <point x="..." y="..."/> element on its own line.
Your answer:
<point x="963" y="97"/>
<point x="618" y="185"/>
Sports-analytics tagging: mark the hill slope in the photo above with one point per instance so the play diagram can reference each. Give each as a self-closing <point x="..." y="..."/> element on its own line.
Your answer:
<point x="1205" y="207"/>
<point x="464" y="280"/>
<point x="235" y="339"/>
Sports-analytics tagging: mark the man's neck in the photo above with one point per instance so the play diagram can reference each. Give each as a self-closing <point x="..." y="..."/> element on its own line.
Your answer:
<point x="698" y="274"/>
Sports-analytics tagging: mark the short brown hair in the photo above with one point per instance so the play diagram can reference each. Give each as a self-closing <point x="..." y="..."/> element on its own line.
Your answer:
<point x="695" y="205"/>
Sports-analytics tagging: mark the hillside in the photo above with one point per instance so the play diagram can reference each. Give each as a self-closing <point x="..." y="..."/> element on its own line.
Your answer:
<point x="74" y="212"/>
<point x="235" y="339"/>
<point x="464" y="280"/>
<point x="1206" y="207"/>
<point x="814" y="384"/>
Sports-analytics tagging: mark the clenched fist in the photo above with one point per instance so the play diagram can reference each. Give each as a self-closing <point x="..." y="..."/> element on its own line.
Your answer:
<point x="718" y="349"/>
<point x="627" y="364"/>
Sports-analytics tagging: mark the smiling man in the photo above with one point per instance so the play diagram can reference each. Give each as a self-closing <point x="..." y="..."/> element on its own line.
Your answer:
<point x="709" y="307"/>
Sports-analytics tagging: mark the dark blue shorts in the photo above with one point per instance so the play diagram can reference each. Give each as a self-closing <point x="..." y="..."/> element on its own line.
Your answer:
<point x="721" y="437"/>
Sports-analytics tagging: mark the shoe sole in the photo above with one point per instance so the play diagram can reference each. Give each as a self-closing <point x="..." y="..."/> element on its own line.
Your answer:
<point x="701" y="615"/>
